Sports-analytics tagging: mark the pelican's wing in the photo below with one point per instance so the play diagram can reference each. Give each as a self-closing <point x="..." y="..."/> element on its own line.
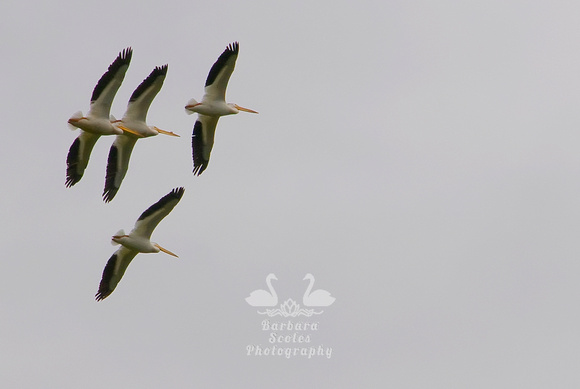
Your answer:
<point x="145" y="93"/>
<point x="109" y="84"/>
<point x="114" y="271"/>
<point x="219" y="75"/>
<point x="155" y="213"/>
<point x="78" y="157"/>
<point x="202" y="141"/>
<point x="118" y="164"/>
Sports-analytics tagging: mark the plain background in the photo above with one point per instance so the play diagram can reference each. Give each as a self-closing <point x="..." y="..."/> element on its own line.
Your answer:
<point x="419" y="158"/>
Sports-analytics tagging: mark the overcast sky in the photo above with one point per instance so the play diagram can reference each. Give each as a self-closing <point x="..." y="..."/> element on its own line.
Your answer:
<point x="419" y="158"/>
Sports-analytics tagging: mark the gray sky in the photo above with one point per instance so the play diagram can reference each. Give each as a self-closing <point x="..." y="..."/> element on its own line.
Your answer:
<point x="420" y="159"/>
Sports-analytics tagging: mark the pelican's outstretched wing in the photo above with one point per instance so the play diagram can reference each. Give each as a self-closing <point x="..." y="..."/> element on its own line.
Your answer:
<point x="114" y="271"/>
<point x="109" y="84"/>
<point x="117" y="164"/>
<point x="219" y="75"/>
<point x="145" y="93"/>
<point x="78" y="157"/>
<point x="202" y="141"/>
<point x="155" y="213"/>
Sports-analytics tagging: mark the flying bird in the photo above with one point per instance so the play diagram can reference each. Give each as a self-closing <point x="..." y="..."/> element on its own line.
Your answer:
<point x="212" y="107"/>
<point x="97" y="122"/>
<point x="135" y="125"/>
<point x="138" y="241"/>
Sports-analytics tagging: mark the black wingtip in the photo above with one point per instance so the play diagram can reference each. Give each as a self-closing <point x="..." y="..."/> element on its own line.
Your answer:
<point x="126" y="55"/>
<point x="231" y="50"/>
<point x="198" y="169"/>
<point x="72" y="175"/>
<point x="199" y="162"/>
<point x="109" y="195"/>
<point x="110" y="190"/>
<point x="71" y="181"/>
<point x="233" y="47"/>
<point x="178" y="192"/>
<point x="175" y="194"/>
<point x="123" y="59"/>
<point x="157" y="72"/>
<point x="104" y="286"/>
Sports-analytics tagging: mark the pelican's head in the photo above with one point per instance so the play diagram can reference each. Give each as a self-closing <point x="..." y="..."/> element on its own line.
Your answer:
<point x="308" y="277"/>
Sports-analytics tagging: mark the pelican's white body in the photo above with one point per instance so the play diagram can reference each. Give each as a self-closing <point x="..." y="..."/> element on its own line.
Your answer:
<point x="94" y="123"/>
<point x="137" y="243"/>
<point x="211" y="107"/>
<point x="137" y="125"/>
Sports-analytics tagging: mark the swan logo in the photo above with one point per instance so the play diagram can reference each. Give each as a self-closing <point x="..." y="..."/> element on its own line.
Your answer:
<point x="289" y="337"/>
<point x="290" y="308"/>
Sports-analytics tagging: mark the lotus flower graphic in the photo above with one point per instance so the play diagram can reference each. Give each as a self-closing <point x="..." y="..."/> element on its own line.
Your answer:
<point x="290" y="308"/>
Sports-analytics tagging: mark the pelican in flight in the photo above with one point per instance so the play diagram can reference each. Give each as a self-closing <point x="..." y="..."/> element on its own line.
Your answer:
<point x="135" y="125"/>
<point x="138" y="241"/>
<point x="97" y="122"/>
<point x="212" y="106"/>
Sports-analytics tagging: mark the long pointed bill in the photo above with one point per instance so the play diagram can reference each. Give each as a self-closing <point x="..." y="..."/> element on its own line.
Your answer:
<point x="129" y="131"/>
<point x="244" y="109"/>
<point x="165" y="250"/>
<point x="166" y="132"/>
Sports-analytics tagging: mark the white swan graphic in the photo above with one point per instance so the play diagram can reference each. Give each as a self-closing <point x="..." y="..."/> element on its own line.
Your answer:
<point x="318" y="298"/>
<point x="261" y="298"/>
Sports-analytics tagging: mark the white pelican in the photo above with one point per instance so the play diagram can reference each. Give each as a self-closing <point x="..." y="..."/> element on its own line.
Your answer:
<point x="138" y="241"/>
<point x="212" y="106"/>
<point x="97" y="121"/>
<point x="134" y="122"/>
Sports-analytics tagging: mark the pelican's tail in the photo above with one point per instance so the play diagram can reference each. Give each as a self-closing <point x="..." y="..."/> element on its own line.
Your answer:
<point x="75" y="117"/>
<point x="119" y="233"/>
<point x="190" y="103"/>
